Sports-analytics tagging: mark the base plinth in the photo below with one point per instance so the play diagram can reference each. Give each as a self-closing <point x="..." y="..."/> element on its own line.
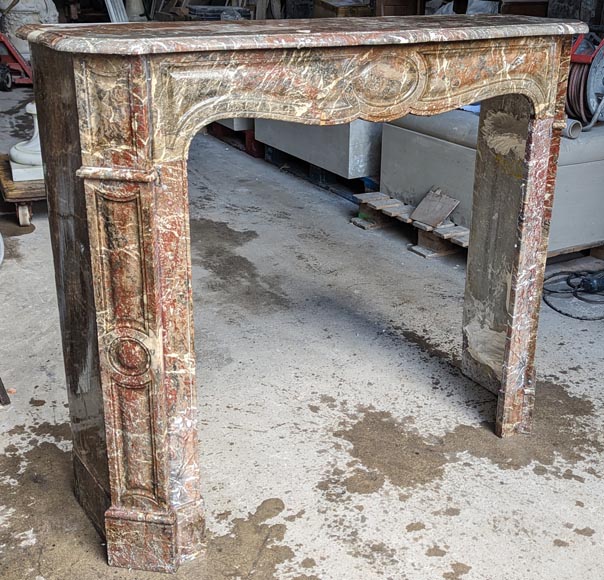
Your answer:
<point x="153" y="542"/>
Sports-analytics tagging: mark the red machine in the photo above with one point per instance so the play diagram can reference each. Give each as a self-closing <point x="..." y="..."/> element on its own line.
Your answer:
<point x="585" y="100"/>
<point x="14" y="69"/>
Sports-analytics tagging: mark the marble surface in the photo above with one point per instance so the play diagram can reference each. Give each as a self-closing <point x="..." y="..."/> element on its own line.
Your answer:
<point x="171" y="37"/>
<point x="143" y="92"/>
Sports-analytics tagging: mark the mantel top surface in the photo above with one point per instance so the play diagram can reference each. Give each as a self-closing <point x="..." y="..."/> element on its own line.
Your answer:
<point x="172" y="37"/>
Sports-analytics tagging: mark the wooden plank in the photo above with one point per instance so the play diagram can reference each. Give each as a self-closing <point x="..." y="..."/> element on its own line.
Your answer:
<point x="435" y="208"/>
<point x="405" y="215"/>
<point x="450" y="232"/>
<point x="396" y="211"/>
<point x="373" y="217"/>
<point x="462" y="240"/>
<point x="441" y="231"/>
<point x="423" y="227"/>
<point x="19" y="191"/>
<point x="365" y="224"/>
<point x="371" y="196"/>
<point x="429" y="246"/>
<point x="381" y="204"/>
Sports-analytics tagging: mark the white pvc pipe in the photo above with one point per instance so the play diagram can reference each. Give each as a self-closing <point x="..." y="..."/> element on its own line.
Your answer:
<point x="573" y="129"/>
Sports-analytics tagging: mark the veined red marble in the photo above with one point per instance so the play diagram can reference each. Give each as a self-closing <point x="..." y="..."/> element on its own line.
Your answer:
<point x="171" y="37"/>
<point x="116" y="179"/>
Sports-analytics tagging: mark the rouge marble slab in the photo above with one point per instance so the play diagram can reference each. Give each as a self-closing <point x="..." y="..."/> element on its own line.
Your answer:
<point x="119" y="106"/>
<point x="170" y="37"/>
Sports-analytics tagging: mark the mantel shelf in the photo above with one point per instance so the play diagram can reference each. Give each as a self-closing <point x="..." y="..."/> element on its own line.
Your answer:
<point x="173" y="37"/>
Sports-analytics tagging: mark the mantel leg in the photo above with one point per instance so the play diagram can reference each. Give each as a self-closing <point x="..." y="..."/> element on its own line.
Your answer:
<point x="139" y="239"/>
<point x="511" y="212"/>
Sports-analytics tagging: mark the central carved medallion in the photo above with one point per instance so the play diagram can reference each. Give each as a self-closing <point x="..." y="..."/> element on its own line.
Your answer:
<point x="389" y="81"/>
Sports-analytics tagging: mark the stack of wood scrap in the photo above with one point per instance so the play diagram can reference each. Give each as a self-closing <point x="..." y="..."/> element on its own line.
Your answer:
<point x="437" y="235"/>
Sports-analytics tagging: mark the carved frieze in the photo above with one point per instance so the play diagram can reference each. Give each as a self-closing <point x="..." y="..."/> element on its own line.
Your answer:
<point x="337" y="86"/>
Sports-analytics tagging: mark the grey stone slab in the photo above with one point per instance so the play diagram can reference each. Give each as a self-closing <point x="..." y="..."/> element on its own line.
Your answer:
<point x="350" y="151"/>
<point x="237" y="124"/>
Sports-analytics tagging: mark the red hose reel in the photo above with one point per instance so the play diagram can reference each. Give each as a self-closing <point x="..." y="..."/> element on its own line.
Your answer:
<point x="585" y="97"/>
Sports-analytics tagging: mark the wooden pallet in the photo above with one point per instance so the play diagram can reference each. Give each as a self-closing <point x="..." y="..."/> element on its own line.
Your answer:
<point x="19" y="191"/>
<point x="378" y="210"/>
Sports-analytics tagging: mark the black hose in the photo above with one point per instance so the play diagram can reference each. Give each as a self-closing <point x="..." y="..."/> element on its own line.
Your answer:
<point x="573" y="287"/>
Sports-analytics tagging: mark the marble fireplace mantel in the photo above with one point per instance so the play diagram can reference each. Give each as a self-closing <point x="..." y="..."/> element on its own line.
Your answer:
<point x="119" y="105"/>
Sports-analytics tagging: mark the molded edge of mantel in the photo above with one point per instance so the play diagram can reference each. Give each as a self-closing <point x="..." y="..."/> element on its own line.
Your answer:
<point x="164" y="38"/>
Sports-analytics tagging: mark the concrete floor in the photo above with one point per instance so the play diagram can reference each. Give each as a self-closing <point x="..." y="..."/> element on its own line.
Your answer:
<point x="338" y="439"/>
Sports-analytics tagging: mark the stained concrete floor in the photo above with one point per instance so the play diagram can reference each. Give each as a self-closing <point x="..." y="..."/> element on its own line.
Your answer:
<point x="339" y="440"/>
